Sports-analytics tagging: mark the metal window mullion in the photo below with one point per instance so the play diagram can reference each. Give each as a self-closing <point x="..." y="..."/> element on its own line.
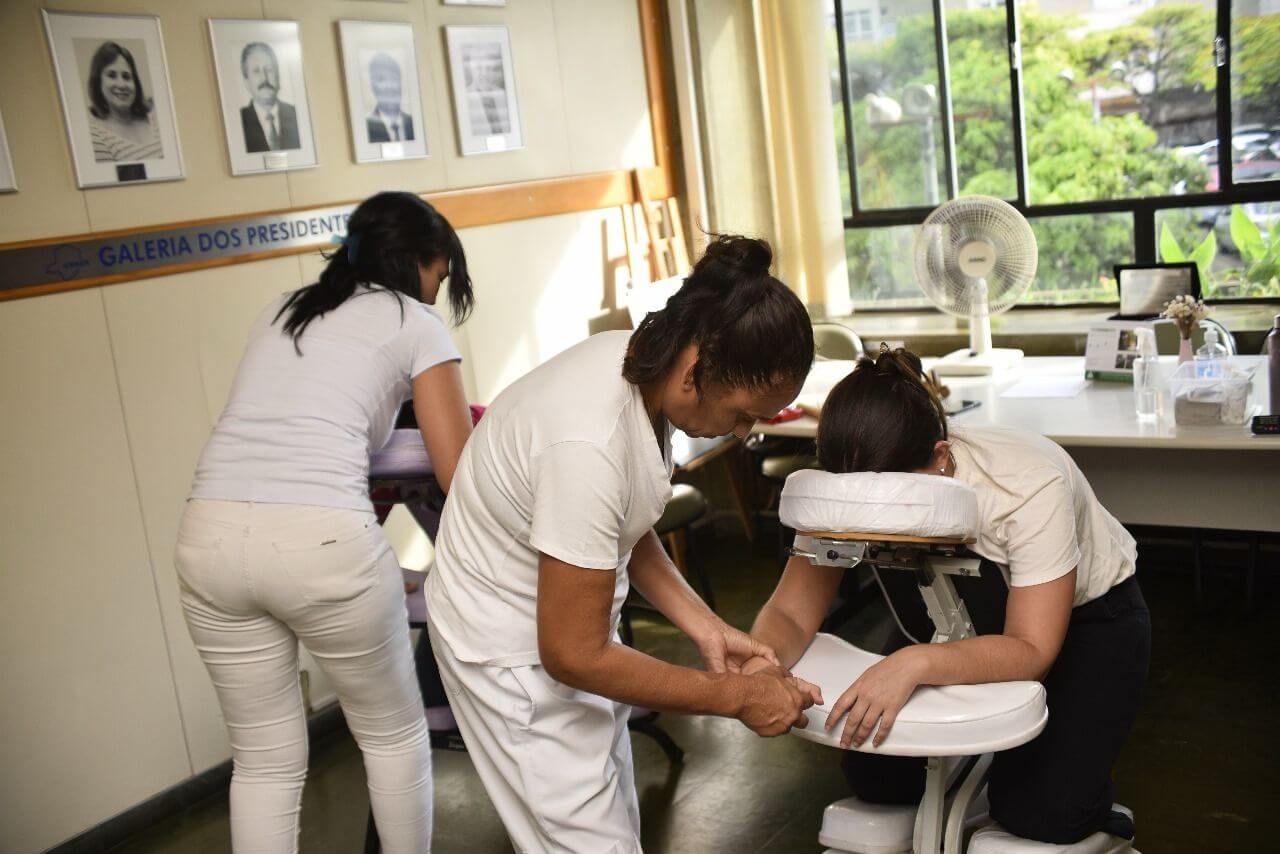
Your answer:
<point x="1015" y="94"/>
<point x="944" y="99"/>
<point x="1226" y="164"/>
<point x="850" y="151"/>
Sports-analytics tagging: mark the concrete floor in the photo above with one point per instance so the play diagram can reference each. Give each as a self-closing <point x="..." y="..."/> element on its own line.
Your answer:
<point x="1201" y="769"/>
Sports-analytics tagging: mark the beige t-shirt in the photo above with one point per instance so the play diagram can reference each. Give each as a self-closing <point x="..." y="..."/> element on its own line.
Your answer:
<point x="565" y="462"/>
<point x="1039" y="516"/>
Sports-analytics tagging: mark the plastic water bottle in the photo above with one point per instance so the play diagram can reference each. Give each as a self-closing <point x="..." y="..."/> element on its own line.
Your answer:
<point x="1211" y="357"/>
<point x="1146" y="377"/>
<point x="1273" y="373"/>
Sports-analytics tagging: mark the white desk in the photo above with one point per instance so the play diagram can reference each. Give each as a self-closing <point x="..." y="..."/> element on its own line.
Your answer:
<point x="1145" y="473"/>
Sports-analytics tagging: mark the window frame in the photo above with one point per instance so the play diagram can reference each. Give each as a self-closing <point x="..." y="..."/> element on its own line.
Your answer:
<point x="1143" y="209"/>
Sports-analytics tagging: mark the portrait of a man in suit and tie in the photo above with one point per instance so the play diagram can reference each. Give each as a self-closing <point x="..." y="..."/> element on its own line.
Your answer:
<point x="269" y="123"/>
<point x="388" y="121"/>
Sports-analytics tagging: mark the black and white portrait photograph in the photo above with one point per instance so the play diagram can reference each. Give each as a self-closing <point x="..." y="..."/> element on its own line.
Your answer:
<point x="264" y="95"/>
<point x="115" y="97"/>
<point x="383" y="97"/>
<point x="7" y="181"/>
<point x="484" y="89"/>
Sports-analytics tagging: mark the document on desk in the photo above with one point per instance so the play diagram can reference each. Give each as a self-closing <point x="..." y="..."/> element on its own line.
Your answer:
<point x="1044" y="387"/>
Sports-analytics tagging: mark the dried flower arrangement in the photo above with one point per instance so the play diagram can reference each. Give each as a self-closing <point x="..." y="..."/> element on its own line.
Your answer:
<point x="1186" y="312"/>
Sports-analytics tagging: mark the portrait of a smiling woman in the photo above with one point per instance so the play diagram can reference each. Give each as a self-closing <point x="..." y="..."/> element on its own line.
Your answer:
<point x="121" y="124"/>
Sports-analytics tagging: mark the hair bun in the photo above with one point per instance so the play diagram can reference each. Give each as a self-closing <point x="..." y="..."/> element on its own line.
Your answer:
<point x="899" y="361"/>
<point x="738" y="257"/>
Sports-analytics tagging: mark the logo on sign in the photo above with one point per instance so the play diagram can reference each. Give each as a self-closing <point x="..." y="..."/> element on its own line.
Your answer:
<point x="68" y="262"/>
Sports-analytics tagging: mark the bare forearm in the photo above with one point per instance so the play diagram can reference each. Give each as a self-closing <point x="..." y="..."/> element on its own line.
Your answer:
<point x="989" y="658"/>
<point x="628" y="676"/>
<point x="789" y="640"/>
<point x="656" y="578"/>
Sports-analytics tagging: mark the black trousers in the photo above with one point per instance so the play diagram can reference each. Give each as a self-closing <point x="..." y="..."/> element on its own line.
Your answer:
<point x="1057" y="787"/>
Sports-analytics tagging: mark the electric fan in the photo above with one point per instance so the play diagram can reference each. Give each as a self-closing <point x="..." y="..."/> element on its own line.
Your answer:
<point x="975" y="256"/>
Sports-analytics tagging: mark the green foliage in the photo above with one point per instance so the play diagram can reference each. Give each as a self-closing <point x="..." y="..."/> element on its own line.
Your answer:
<point x="1248" y="267"/>
<point x="1255" y="65"/>
<point x="1071" y="157"/>
<point x="1202" y="256"/>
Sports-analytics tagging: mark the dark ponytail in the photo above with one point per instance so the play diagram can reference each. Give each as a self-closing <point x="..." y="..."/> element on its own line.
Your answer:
<point x="750" y="329"/>
<point x="882" y="417"/>
<point x="388" y="236"/>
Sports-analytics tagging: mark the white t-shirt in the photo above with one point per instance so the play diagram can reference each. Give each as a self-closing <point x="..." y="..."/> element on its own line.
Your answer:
<point x="564" y="462"/>
<point x="300" y="429"/>
<point x="1039" y="516"/>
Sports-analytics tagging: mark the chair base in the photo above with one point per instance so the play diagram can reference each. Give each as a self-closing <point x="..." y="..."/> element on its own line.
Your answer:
<point x="994" y="839"/>
<point x="852" y="826"/>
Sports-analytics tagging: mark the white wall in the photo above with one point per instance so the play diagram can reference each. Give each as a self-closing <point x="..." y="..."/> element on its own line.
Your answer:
<point x="108" y="394"/>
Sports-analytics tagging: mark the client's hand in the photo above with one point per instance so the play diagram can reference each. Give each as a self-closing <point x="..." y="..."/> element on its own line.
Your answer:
<point x="725" y="648"/>
<point x="773" y="703"/>
<point x="877" y="695"/>
<point x="752" y="666"/>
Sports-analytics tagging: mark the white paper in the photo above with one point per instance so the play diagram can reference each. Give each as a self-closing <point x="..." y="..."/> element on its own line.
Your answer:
<point x="392" y="150"/>
<point x="1046" y="387"/>
<point x="496" y="143"/>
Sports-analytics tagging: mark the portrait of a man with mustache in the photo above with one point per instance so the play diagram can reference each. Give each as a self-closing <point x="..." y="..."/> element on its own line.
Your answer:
<point x="269" y="123"/>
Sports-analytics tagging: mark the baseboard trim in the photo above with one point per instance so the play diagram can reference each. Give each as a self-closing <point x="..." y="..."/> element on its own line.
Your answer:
<point x="138" y="818"/>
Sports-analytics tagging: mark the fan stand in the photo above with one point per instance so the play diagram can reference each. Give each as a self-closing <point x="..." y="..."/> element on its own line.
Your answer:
<point x="980" y="359"/>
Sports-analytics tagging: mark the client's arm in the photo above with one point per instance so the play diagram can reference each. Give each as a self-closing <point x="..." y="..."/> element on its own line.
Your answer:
<point x="1035" y="625"/>
<point x="791" y="617"/>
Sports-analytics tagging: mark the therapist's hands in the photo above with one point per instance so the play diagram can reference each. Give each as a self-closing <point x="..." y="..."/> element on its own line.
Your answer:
<point x="877" y="695"/>
<point x="774" y="702"/>
<point x="726" y="649"/>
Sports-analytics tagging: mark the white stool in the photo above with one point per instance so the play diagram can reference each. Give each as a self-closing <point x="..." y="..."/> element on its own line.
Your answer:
<point x="936" y="723"/>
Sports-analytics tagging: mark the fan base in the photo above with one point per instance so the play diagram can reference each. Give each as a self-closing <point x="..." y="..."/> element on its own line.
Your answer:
<point x="967" y="363"/>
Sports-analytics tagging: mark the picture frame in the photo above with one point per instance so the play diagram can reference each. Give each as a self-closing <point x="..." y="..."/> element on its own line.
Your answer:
<point x="8" y="181"/>
<point x="384" y="101"/>
<point x="117" y="104"/>
<point x="265" y="112"/>
<point x="485" y="106"/>
<point x="1146" y="288"/>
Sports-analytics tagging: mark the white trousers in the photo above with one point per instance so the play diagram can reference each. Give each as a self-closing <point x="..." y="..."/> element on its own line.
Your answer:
<point x="257" y="578"/>
<point x="555" y="761"/>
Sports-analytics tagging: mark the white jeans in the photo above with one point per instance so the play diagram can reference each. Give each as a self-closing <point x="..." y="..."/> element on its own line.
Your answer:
<point x="257" y="578"/>
<point x="555" y="761"/>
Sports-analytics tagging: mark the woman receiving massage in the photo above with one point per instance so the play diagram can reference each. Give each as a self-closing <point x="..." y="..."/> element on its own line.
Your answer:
<point x="1074" y="620"/>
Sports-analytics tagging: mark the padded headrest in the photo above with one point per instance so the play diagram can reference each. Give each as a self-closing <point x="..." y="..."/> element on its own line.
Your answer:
<point x="918" y="505"/>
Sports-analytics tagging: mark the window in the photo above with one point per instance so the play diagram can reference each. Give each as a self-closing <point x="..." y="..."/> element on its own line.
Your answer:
<point x="1105" y="135"/>
<point x="1236" y="247"/>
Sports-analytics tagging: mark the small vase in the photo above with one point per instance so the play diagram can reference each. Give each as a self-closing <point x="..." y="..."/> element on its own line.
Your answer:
<point x="1184" y="351"/>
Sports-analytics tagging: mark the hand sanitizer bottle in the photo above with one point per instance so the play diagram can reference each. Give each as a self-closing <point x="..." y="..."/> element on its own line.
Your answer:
<point x="1211" y="358"/>
<point x="1146" y="377"/>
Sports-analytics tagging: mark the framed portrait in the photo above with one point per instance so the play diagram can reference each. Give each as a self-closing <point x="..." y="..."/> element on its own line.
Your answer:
<point x="484" y="89"/>
<point x="264" y="96"/>
<point x="383" y="101"/>
<point x="116" y="100"/>
<point x="7" y="181"/>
